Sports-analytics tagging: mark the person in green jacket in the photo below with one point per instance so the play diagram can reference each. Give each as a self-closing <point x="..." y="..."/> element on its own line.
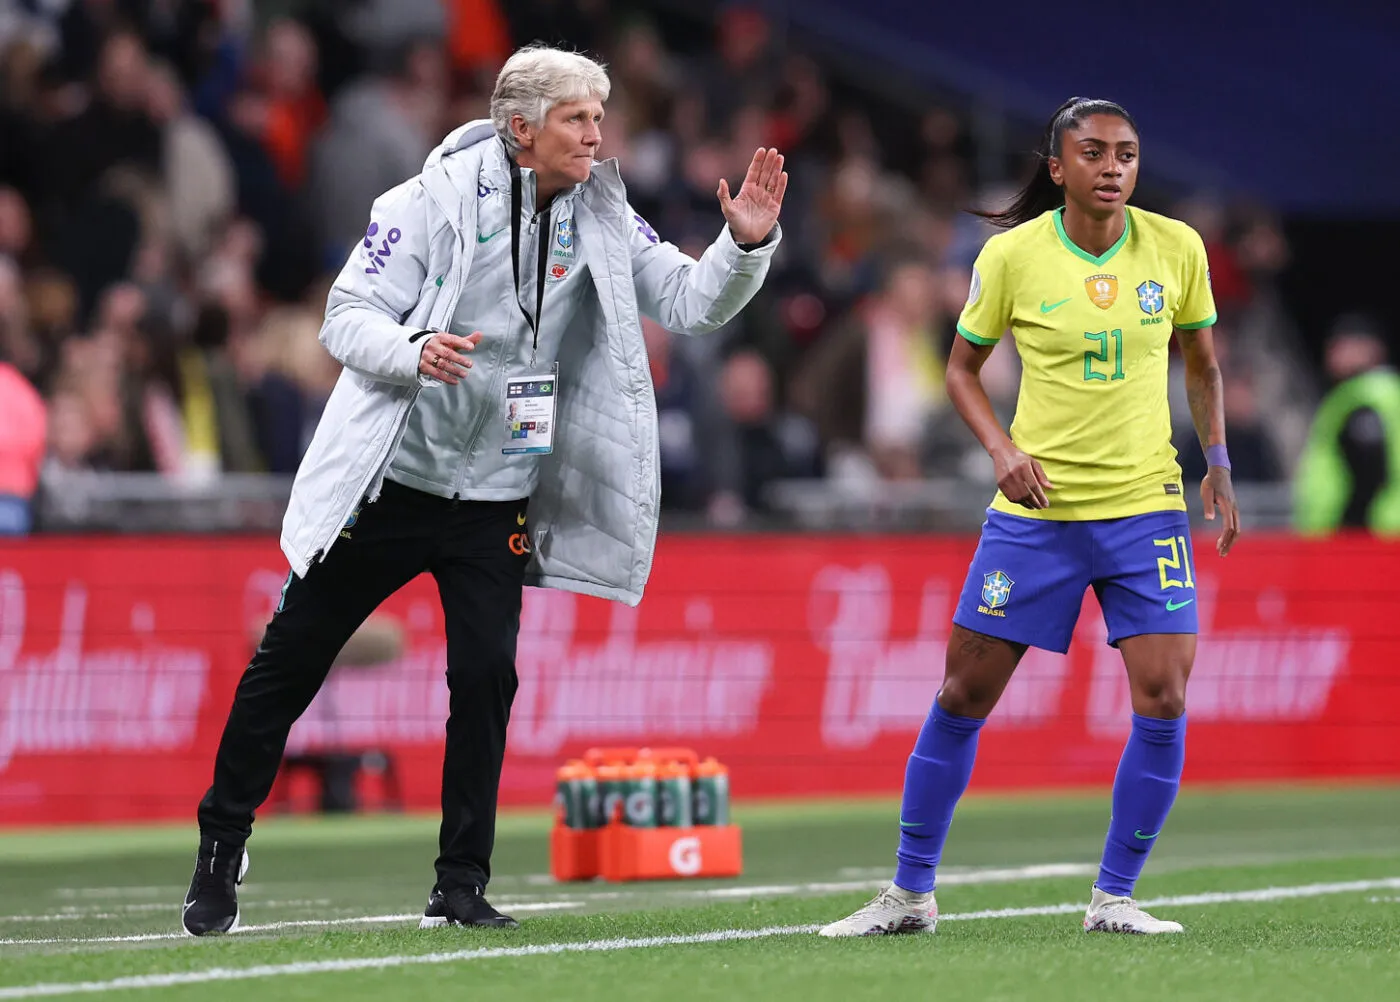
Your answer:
<point x="1349" y="476"/>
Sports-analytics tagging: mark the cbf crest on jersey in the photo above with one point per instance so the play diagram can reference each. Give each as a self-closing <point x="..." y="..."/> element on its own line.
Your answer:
<point x="996" y="590"/>
<point x="1150" y="297"/>
<point x="564" y="234"/>
<point x="1102" y="290"/>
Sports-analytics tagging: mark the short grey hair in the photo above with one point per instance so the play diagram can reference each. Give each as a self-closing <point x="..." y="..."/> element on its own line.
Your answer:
<point x="538" y="77"/>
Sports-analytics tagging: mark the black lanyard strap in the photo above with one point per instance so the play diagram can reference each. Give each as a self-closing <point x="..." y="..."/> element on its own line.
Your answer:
<point x="545" y="236"/>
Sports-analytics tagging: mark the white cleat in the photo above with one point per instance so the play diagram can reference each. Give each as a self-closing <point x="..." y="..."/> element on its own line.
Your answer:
<point x="1111" y="913"/>
<point x="893" y="910"/>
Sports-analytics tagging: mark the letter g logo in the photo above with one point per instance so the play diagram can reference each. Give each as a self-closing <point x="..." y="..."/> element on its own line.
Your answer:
<point x="684" y="856"/>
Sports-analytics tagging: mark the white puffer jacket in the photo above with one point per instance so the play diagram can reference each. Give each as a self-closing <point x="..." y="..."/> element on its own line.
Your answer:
<point x="593" y="514"/>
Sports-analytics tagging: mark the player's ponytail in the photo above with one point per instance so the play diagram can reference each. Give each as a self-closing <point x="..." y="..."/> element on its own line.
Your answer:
<point x="1041" y="194"/>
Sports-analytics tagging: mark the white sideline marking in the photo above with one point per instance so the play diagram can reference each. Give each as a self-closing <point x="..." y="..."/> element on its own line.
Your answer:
<point x="578" y="900"/>
<point x="998" y="876"/>
<point x="1188" y="900"/>
<point x="609" y="945"/>
<point x="375" y="963"/>
<point x="149" y="891"/>
<point x="524" y="906"/>
<point x="71" y="912"/>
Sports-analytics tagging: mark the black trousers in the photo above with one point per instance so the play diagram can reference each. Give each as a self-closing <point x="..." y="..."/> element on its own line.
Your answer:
<point x="474" y="550"/>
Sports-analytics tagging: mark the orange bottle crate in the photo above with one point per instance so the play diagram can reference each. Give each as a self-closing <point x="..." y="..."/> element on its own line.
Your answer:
<point x="670" y="853"/>
<point x="620" y="852"/>
<point x="574" y="853"/>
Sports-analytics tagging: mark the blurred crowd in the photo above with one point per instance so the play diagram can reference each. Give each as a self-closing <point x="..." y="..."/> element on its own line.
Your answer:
<point x="181" y="179"/>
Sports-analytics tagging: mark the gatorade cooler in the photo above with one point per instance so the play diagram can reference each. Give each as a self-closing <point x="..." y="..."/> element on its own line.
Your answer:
<point x="663" y="815"/>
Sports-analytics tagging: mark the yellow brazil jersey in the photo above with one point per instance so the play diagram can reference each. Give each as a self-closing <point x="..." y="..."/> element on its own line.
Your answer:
<point x="1093" y="334"/>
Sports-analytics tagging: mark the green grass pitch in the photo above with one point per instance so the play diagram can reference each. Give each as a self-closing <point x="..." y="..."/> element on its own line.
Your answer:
<point x="1286" y="893"/>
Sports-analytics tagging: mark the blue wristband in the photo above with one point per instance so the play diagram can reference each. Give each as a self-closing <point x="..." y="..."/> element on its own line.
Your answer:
<point x="1216" y="455"/>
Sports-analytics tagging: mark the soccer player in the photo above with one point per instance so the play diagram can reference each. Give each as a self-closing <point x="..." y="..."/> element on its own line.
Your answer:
<point x="1090" y="494"/>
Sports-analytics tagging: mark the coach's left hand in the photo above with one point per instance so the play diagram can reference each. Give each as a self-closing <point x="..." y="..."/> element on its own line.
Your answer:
<point x="754" y="211"/>
<point x="1218" y="492"/>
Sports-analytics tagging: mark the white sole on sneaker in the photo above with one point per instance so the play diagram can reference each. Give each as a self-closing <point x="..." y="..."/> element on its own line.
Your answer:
<point x="238" y="912"/>
<point x="1157" y="928"/>
<point x="432" y="921"/>
<point x="910" y="925"/>
<point x="1122" y="915"/>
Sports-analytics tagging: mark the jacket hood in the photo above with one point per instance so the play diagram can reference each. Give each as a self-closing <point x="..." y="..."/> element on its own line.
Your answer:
<point x="460" y="138"/>
<point x="440" y="167"/>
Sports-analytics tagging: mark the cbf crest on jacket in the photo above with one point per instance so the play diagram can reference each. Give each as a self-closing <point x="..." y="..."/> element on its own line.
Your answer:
<point x="594" y="510"/>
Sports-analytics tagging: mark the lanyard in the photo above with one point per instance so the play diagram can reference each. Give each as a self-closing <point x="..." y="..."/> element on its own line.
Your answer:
<point x="545" y="236"/>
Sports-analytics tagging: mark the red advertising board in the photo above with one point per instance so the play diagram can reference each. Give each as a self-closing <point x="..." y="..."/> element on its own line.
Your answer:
<point x="805" y="663"/>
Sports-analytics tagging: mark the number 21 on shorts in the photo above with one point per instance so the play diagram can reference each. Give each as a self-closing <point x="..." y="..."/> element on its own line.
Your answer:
<point x="1171" y="566"/>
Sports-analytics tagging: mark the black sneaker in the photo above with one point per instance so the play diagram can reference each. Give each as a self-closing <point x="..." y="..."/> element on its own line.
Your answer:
<point x="463" y="906"/>
<point x="212" y="902"/>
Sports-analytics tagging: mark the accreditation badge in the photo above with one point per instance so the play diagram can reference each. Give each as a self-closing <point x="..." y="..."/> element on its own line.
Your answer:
<point x="530" y="409"/>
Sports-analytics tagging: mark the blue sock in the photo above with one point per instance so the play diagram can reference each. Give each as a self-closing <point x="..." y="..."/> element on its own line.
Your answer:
<point x="1143" y="790"/>
<point x="934" y="780"/>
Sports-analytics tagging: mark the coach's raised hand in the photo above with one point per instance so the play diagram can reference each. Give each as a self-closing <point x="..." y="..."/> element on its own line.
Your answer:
<point x="754" y="211"/>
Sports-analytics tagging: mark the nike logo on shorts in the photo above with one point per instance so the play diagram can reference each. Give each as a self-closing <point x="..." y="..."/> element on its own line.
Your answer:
<point x="1173" y="604"/>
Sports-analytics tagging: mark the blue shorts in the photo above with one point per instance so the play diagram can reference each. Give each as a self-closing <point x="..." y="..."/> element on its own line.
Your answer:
<point x="1028" y="577"/>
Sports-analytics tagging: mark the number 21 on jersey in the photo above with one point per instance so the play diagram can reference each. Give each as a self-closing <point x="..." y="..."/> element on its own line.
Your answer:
<point x="1171" y="566"/>
<point x="1100" y="354"/>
